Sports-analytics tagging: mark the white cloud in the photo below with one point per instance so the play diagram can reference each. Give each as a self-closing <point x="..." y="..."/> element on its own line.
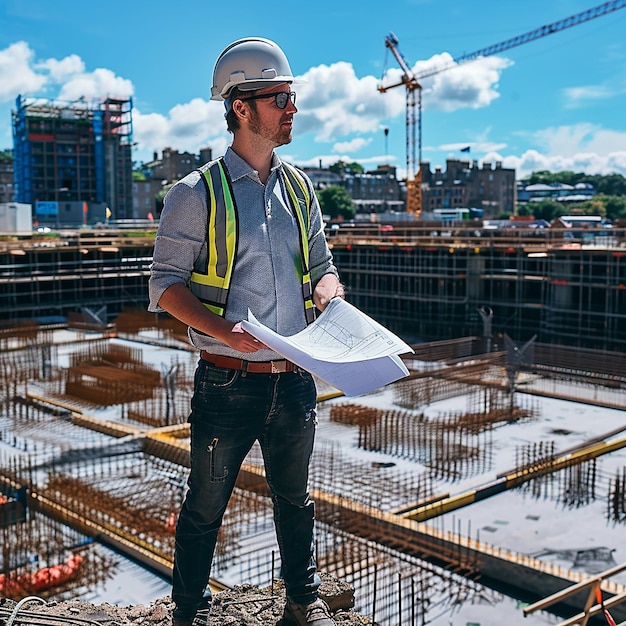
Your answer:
<point x="580" y="138"/>
<point x="16" y="74"/>
<point x="187" y="127"/>
<point x="590" y="163"/>
<point x="581" y="147"/>
<point x="616" y="162"/>
<point x="195" y="117"/>
<point x="336" y="103"/>
<point x="578" y="97"/>
<point x="149" y="128"/>
<point x="354" y="145"/>
<point x="329" y="159"/>
<point x="336" y="107"/>
<point x="99" y="83"/>
<point x="469" y="85"/>
<point x="448" y="86"/>
<point x="64" y="69"/>
<point x="21" y="74"/>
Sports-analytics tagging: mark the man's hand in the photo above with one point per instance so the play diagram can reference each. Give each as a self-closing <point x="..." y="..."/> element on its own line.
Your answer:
<point x="179" y="302"/>
<point x="241" y="340"/>
<point x="326" y="289"/>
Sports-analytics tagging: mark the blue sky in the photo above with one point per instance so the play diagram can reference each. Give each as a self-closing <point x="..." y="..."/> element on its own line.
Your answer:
<point x="555" y="103"/>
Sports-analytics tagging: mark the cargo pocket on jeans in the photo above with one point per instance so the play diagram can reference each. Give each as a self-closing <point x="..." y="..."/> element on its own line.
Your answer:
<point x="217" y="475"/>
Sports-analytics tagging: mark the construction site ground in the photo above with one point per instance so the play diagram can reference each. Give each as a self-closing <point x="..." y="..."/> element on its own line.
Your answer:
<point x="385" y="451"/>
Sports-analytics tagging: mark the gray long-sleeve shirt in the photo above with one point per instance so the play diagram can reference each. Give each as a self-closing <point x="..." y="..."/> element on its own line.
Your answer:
<point x="266" y="276"/>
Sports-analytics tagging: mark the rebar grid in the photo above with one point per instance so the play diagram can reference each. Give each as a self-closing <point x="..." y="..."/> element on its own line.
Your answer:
<point x="42" y="556"/>
<point x="139" y="495"/>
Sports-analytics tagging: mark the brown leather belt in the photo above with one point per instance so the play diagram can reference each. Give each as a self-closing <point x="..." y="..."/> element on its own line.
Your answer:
<point x="253" y="367"/>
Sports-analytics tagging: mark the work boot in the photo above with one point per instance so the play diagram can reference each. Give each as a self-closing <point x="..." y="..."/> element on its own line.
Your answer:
<point x="316" y="613"/>
<point x="201" y="618"/>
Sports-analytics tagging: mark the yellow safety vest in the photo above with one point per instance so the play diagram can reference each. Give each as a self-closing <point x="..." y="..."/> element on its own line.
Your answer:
<point x="211" y="286"/>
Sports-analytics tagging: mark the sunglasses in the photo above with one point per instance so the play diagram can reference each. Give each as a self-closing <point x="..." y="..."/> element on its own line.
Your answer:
<point x="281" y="98"/>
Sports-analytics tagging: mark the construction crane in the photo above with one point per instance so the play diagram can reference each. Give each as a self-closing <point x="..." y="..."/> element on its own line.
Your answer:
<point x="414" y="89"/>
<point x="413" y="101"/>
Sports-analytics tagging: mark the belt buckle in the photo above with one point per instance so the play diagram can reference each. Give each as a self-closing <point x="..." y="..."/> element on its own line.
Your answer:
<point x="275" y="369"/>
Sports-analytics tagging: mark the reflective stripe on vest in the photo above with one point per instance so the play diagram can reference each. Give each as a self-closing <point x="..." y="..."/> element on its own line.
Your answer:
<point x="301" y="202"/>
<point x="212" y="285"/>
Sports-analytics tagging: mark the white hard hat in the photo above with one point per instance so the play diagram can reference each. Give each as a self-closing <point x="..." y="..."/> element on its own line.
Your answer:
<point x="249" y="64"/>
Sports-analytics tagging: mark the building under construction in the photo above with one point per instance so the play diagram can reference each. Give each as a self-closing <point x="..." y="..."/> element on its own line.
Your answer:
<point x="73" y="159"/>
<point x="424" y="282"/>
<point x="566" y="286"/>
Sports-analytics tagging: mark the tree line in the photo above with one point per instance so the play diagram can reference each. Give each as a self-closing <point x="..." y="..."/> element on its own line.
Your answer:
<point x="608" y="185"/>
<point x="609" y="201"/>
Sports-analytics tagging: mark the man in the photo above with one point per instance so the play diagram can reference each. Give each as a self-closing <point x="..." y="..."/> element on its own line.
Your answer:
<point x="245" y="233"/>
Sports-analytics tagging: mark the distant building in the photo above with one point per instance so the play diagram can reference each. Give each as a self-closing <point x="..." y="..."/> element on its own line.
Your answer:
<point x="144" y="198"/>
<point x="170" y="168"/>
<point x="375" y="191"/>
<point x="174" y="165"/>
<point x="451" y="215"/>
<point x="15" y="218"/>
<point x="529" y="222"/>
<point x="6" y="178"/>
<point x="466" y="185"/>
<point x="73" y="154"/>
<point x="558" y="192"/>
<point x="581" y="221"/>
<point x="322" y="178"/>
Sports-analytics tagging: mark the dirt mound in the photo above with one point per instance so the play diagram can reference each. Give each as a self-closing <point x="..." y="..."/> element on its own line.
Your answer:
<point x="244" y="605"/>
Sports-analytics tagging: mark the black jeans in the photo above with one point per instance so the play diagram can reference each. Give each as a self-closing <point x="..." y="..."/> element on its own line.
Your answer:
<point x="229" y="412"/>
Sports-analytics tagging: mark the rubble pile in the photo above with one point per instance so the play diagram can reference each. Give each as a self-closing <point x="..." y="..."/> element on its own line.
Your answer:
<point x="243" y="605"/>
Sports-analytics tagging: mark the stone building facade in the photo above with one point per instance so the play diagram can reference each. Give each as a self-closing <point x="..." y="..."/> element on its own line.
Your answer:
<point x="464" y="184"/>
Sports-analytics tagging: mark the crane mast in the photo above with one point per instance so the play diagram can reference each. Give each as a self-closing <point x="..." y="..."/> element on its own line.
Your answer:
<point x="413" y="127"/>
<point x="414" y="90"/>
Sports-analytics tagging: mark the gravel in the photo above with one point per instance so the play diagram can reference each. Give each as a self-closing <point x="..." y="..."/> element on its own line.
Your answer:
<point x="243" y="605"/>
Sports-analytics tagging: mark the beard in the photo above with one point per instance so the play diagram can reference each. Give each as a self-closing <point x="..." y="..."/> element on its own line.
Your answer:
<point x="279" y="136"/>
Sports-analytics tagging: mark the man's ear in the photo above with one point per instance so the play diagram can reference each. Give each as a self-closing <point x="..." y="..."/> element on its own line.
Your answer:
<point x="241" y="109"/>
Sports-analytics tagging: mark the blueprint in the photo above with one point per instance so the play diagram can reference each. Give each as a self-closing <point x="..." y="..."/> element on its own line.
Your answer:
<point x="344" y="347"/>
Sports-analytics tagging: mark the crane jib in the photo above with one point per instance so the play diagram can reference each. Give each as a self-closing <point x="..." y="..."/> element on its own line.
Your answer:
<point x="414" y="99"/>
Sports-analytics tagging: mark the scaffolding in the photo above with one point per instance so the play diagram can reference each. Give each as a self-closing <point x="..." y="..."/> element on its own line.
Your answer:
<point x="426" y="283"/>
<point x="50" y="277"/>
<point x="70" y="153"/>
<point x="429" y="282"/>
